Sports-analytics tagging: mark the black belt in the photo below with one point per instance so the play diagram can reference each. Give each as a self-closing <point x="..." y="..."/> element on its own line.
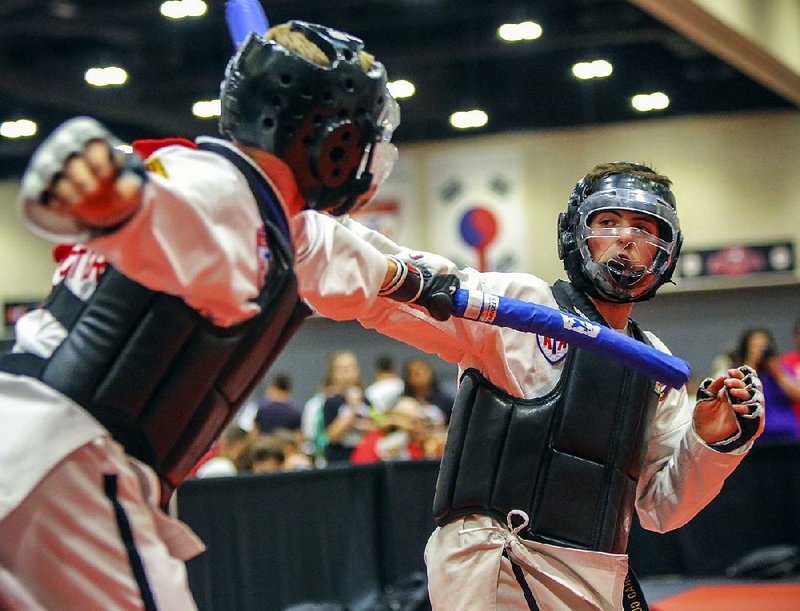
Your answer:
<point x="632" y="595"/>
<point x="22" y="364"/>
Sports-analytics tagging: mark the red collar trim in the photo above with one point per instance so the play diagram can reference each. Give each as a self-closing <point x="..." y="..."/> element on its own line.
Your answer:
<point x="145" y="148"/>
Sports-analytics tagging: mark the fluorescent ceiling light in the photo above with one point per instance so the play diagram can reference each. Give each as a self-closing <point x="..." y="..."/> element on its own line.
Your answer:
<point x="21" y="128"/>
<point x="181" y="9"/>
<point x="598" y="68"/>
<point x="515" y="32"/>
<point x="106" y="77"/>
<point x="401" y="88"/>
<point x="645" y="102"/>
<point x="469" y="119"/>
<point x="206" y="109"/>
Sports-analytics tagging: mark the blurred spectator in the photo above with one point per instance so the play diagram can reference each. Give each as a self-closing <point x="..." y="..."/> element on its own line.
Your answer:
<point x="421" y="384"/>
<point x="341" y="371"/>
<point x="265" y="455"/>
<point x="400" y="435"/>
<point x="434" y="442"/>
<point x="290" y="442"/>
<point x="347" y="417"/>
<point x="387" y="386"/>
<point x="225" y="457"/>
<point x="314" y="439"/>
<point x="790" y="361"/>
<point x="757" y="348"/>
<point x="276" y="409"/>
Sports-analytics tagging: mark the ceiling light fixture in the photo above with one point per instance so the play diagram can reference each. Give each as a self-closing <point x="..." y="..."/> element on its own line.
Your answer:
<point x="598" y="68"/>
<point x="516" y="32"/>
<point x="21" y="128"/>
<point x="207" y="109"/>
<point x="106" y="77"/>
<point x="645" y="102"/>
<point x="401" y="88"/>
<point x="469" y="119"/>
<point x="181" y="9"/>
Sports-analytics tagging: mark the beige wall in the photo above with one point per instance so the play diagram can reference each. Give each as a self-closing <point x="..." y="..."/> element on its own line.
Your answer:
<point x="26" y="264"/>
<point x="737" y="179"/>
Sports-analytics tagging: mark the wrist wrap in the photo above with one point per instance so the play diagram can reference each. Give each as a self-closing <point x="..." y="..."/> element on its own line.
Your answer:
<point x="407" y="282"/>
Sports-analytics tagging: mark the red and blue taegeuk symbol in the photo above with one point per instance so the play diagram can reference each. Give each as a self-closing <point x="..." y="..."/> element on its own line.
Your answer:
<point x="478" y="228"/>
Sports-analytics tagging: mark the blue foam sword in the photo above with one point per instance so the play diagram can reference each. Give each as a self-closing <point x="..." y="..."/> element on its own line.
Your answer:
<point x="575" y="330"/>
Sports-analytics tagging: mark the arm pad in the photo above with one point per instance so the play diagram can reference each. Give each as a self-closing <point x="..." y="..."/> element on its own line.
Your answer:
<point x="412" y="284"/>
<point x="407" y="282"/>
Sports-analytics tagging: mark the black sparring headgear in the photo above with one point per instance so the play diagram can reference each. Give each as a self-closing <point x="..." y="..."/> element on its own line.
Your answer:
<point x="328" y="123"/>
<point x="618" y="191"/>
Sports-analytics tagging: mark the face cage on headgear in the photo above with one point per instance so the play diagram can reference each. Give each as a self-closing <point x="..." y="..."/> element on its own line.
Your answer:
<point x="615" y="282"/>
<point x="330" y="124"/>
<point x="618" y="277"/>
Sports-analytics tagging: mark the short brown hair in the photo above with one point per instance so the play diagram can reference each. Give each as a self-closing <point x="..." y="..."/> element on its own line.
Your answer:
<point x="626" y="167"/>
<point x="297" y="43"/>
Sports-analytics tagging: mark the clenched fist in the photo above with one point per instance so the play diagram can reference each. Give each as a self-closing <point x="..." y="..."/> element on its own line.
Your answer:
<point x="77" y="180"/>
<point x="730" y="409"/>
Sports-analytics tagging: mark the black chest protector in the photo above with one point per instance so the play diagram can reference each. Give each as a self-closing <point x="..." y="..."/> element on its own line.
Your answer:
<point x="570" y="459"/>
<point x="163" y="379"/>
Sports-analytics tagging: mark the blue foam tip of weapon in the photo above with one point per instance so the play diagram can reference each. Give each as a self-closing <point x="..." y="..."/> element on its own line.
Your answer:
<point x="575" y="330"/>
<point x="243" y="17"/>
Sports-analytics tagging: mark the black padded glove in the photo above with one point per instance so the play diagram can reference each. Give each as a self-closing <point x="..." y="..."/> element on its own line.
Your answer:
<point x="750" y="422"/>
<point x="415" y="284"/>
<point x="437" y="295"/>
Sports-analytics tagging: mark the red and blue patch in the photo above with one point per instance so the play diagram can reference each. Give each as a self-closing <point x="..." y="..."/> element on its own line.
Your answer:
<point x="264" y="254"/>
<point x="662" y="390"/>
<point x="554" y="350"/>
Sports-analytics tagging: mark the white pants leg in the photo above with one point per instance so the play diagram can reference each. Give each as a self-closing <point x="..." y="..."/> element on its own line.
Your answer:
<point x="62" y="547"/>
<point x="468" y="570"/>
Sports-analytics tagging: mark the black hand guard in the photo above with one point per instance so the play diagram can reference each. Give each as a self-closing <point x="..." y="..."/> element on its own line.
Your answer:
<point x="750" y="422"/>
<point x="437" y="295"/>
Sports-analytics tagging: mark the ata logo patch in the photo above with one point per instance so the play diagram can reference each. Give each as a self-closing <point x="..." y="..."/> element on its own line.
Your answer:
<point x="554" y="350"/>
<point x="662" y="390"/>
<point x="264" y="254"/>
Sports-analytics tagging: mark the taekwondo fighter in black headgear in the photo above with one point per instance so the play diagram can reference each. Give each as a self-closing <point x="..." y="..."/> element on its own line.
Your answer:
<point x="180" y="290"/>
<point x="551" y="448"/>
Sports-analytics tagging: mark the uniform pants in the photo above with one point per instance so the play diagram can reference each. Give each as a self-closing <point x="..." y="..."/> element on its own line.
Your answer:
<point x="475" y="563"/>
<point x="89" y="536"/>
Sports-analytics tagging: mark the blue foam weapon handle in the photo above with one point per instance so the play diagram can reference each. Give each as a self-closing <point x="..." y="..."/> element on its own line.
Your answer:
<point x="575" y="330"/>
<point x="243" y="17"/>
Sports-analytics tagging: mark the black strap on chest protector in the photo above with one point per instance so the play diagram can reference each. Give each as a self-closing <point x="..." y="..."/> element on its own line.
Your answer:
<point x="268" y="205"/>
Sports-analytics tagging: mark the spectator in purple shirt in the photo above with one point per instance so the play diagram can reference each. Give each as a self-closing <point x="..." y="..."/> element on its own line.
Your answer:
<point x="277" y="409"/>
